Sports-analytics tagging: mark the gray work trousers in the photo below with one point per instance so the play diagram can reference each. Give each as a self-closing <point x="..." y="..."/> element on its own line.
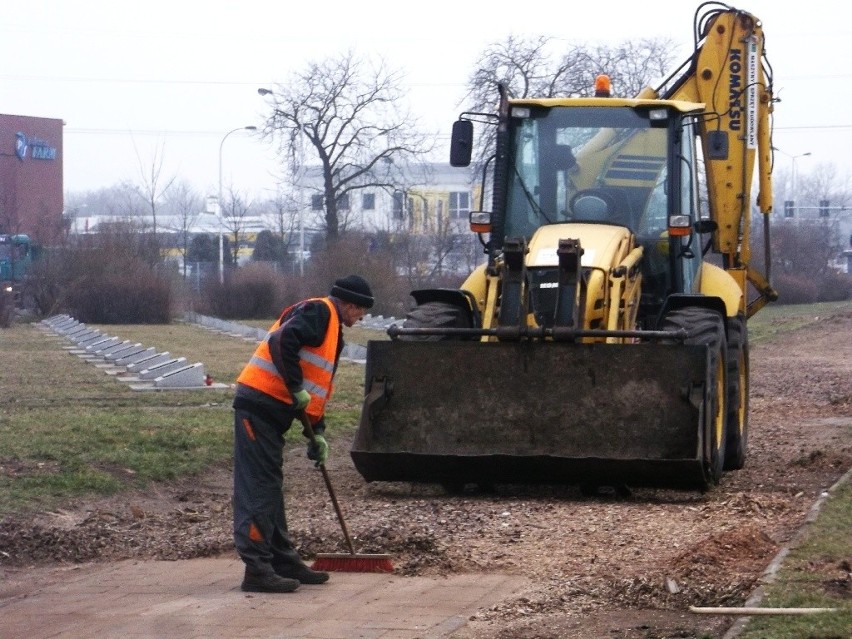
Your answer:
<point x="260" y="526"/>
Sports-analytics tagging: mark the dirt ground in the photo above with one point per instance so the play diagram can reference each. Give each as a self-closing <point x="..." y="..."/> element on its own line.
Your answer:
<point x="621" y="567"/>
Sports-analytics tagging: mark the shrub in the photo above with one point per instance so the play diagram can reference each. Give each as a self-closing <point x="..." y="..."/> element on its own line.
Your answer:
<point x="835" y="287"/>
<point x="255" y="291"/>
<point x="796" y="289"/>
<point x="112" y="277"/>
<point x="357" y="254"/>
<point x="143" y="297"/>
<point x="47" y="281"/>
<point x="802" y="289"/>
<point x="7" y="308"/>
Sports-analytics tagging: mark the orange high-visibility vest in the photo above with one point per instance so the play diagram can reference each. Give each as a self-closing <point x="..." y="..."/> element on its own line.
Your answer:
<point x="317" y="364"/>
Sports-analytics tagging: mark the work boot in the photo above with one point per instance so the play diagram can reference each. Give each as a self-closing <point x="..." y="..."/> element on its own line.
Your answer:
<point x="267" y="581"/>
<point x="301" y="573"/>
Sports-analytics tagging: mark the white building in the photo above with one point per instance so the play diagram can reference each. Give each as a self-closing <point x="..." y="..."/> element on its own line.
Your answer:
<point x="425" y="199"/>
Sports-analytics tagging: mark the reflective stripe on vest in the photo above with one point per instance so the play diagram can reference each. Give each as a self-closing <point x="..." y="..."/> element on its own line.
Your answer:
<point x="317" y="363"/>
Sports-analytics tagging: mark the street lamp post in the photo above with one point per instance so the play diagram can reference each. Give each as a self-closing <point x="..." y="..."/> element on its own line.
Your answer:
<point x="221" y="212"/>
<point x="793" y="173"/>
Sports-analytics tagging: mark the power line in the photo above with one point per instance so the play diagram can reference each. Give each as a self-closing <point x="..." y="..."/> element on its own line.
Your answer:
<point x="106" y="131"/>
<point x="814" y="127"/>
<point x="144" y="81"/>
<point x="161" y="132"/>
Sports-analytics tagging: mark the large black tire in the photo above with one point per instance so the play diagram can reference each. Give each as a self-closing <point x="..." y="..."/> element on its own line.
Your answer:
<point x="704" y="326"/>
<point x="435" y="315"/>
<point x="738" y="392"/>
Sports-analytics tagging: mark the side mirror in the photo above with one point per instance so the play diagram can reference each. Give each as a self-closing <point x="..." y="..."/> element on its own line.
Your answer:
<point x="461" y="144"/>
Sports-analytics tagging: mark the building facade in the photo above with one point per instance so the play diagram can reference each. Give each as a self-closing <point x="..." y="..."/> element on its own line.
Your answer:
<point x="431" y="198"/>
<point x="31" y="177"/>
<point x="429" y="205"/>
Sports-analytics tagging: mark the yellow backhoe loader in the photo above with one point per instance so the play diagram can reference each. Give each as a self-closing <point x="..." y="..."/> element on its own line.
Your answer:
<point x="605" y="340"/>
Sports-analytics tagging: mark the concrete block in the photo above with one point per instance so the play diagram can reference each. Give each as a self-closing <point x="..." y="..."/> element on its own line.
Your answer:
<point x="55" y="319"/>
<point x="76" y="330"/>
<point x="129" y="349"/>
<point x="111" y="348"/>
<point x="64" y="327"/>
<point x="185" y="377"/>
<point x="83" y="336"/>
<point x="114" y="354"/>
<point x="99" y="345"/>
<point x="63" y="321"/>
<point x="354" y="352"/>
<point x="148" y="362"/>
<point x="161" y="369"/>
<point x="132" y="357"/>
<point x="94" y="337"/>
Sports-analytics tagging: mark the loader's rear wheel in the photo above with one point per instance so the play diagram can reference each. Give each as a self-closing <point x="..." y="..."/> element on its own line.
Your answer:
<point x="435" y="315"/>
<point x="738" y="391"/>
<point x="704" y="326"/>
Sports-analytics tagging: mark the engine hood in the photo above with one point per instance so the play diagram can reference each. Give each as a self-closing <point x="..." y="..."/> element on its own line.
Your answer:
<point x="603" y="245"/>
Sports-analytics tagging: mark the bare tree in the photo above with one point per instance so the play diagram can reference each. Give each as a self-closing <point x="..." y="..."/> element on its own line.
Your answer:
<point x="527" y="69"/>
<point x="827" y="183"/>
<point x="281" y="213"/>
<point x="824" y="199"/>
<point x="807" y="242"/>
<point x="530" y="68"/>
<point x="346" y="113"/>
<point x="153" y="186"/>
<point x="236" y="209"/>
<point x="521" y="65"/>
<point x="185" y="204"/>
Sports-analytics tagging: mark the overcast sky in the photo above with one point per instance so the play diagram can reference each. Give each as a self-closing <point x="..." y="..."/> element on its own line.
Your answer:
<point x="134" y="79"/>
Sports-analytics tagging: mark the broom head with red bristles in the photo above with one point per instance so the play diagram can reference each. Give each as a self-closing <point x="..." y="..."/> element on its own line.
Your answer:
<point x="348" y="562"/>
<point x="342" y="562"/>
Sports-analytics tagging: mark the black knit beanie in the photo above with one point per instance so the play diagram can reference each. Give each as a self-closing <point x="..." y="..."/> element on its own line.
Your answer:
<point x="353" y="288"/>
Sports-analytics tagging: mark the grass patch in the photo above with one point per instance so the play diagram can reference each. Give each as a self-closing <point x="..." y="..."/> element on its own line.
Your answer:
<point x="774" y="320"/>
<point x="67" y="429"/>
<point x="814" y="575"/>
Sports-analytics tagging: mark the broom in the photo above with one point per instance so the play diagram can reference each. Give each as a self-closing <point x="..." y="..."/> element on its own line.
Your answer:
<point x="343" y="562"/>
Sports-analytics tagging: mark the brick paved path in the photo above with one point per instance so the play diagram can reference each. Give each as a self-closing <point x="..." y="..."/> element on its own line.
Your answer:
<point x="201" y="599"/>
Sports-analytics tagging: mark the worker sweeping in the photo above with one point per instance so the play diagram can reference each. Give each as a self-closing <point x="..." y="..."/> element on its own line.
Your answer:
<point x="291" y="371"/>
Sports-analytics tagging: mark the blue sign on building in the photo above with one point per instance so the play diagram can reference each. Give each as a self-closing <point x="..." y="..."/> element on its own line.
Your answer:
<point x="41" y="149"/>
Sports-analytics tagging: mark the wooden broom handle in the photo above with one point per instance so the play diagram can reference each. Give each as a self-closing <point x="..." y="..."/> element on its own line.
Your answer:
<point x="306" y="424"/>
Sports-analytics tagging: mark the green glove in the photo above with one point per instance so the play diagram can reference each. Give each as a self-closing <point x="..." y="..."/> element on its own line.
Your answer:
<point x="318" y="450"/>
<point x="301" y="399"/>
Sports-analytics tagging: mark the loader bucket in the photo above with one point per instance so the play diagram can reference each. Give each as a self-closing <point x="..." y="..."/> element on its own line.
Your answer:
<point x="456" y="412"/>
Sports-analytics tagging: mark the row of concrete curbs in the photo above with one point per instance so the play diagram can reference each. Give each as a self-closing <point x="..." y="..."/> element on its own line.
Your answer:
<point x="351" y="352"/>
<point x="140" y="367"/>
